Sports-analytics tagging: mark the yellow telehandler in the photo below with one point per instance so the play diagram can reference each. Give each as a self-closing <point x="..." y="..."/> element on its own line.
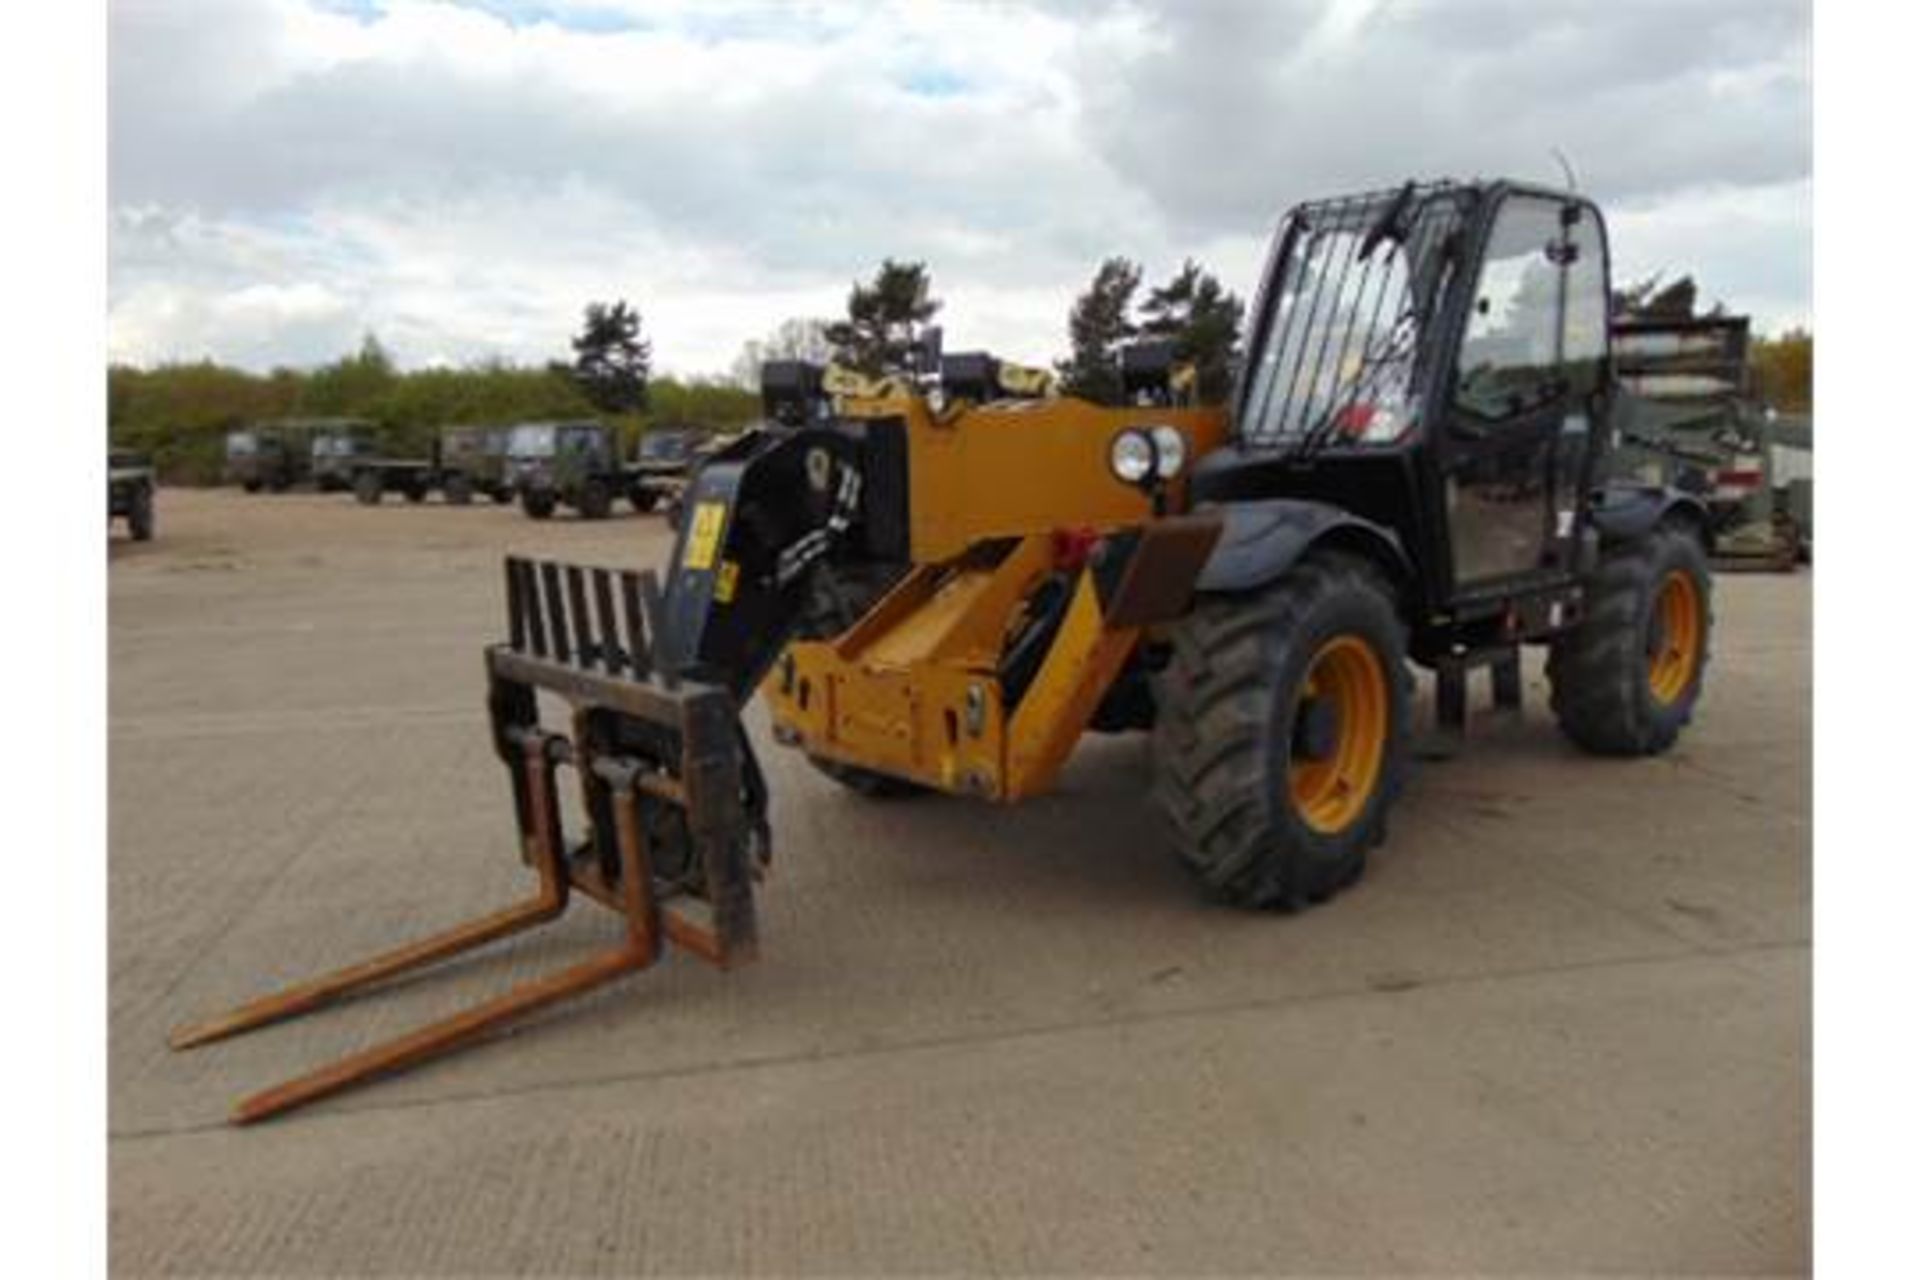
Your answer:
<point x="940" y="581"/>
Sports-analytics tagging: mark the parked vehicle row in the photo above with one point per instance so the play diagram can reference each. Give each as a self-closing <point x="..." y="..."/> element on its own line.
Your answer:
<point x="577" y="464"/>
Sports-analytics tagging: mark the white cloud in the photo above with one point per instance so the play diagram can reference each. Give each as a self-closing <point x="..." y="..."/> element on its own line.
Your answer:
<point x="463" y="178"/>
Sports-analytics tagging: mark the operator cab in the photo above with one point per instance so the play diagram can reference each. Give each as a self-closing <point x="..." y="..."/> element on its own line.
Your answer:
<point x="1432" y="358"/>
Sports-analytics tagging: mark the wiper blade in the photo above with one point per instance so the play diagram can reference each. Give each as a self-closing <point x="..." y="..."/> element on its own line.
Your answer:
<point x="1387" y="224"/>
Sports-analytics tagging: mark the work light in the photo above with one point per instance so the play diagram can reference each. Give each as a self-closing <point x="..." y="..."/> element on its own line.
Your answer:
<point x="1131" y="456"/>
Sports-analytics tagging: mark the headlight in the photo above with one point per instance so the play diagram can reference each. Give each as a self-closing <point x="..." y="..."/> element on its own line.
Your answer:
<point x="1169" y="451"/>
<point x="1131" y="456"/>
<point x="1140" y="455"/>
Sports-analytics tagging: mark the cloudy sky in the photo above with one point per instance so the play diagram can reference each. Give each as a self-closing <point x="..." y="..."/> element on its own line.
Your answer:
<point x="461" y="178"/>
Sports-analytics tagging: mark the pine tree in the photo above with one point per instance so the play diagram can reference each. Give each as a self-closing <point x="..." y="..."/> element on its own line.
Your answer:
<point x="611" y="361"/>
<point x="1097" y="326"/>
<point x="884" y="319"/>
<point x="1204" y="321"/>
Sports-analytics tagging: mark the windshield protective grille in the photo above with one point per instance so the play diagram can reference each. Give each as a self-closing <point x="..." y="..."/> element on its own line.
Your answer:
<point x="1341" y="317"/>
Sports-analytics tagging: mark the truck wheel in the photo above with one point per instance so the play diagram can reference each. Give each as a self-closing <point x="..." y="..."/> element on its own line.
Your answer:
<point x="1626" y="678"/>
<point x="644" y="500"/>
<point x="458" y="490"/>
<point x="367" y="488"/>
<point x="538" y="505"/>
<point x="1281" y="733"/>
<point x="596" y="501"/>
<point x="140" y="517"/>
<point x="251" y="486"/>
<point x="503" y="495"/>
<point x="416" y="491"/>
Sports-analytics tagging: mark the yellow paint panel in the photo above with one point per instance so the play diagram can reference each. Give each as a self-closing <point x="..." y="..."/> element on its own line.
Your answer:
<point x="703" y="540"/>
<point x="1029" y="467"/>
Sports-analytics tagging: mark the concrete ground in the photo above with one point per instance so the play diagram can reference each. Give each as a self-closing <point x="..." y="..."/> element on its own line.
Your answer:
<point x="1562" y="1025"/>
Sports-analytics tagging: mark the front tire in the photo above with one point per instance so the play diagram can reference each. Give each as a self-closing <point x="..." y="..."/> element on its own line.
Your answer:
<point x="537" y="504"/>
<point x="1281" y="733"/>
<point x="1626" y="678"/>
<point x="140" y="517"/>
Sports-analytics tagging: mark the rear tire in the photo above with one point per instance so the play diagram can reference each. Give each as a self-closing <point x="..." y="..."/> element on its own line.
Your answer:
<point x="1626" y="679"/>
<point x="368" y="489"/>
<point x="416" y="492"/>
<point x="644" y="500"/>
<point x="537" y="505"/>
<point x="1281" y="733"/>
<point x="251" y="486"/>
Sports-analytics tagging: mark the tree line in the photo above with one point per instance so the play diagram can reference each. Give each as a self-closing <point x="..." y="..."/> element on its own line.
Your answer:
<point x="180" y="413"/>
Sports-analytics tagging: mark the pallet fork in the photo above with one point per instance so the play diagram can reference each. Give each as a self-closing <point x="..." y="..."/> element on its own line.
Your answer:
<point x="673" y="803"/>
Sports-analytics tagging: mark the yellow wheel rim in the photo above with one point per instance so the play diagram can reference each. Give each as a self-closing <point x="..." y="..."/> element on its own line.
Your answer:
<point x="1329" y="782"/>
<point x="1673" y="640"/>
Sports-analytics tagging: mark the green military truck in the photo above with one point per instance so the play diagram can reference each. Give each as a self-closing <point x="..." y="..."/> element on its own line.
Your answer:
<point x="1689" y="420"/>
<point x="462" y="462"/>
<point x="284" y="453"/>
<point x="130" y="492"/>
<point x="575" y="464"/>
<point x="475" y="459"/>
<point x="662" y="464"/>
<point x="339" y="450"/>
<point x="271" y="456"/>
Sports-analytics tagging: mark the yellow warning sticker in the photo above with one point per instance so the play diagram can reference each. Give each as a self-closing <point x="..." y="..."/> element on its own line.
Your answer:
<point x="726" y="581"/>
<point x="703" y="540"/>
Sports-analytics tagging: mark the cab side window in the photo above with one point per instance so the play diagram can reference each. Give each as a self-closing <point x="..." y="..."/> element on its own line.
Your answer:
<point x="1512" y="356"/>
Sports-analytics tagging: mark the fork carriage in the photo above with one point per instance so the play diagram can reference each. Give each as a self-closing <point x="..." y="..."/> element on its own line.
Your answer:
<point x="671" y="843"/>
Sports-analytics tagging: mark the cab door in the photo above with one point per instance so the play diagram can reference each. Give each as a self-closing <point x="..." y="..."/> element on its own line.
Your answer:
<point x="1517" y="438"/>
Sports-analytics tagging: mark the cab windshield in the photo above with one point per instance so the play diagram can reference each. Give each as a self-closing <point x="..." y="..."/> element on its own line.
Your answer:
<point x="337" y="446"/>
<point x="665" y="446"/>
<point x="534" y="440"/>
<point x="1339" y="329"/>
